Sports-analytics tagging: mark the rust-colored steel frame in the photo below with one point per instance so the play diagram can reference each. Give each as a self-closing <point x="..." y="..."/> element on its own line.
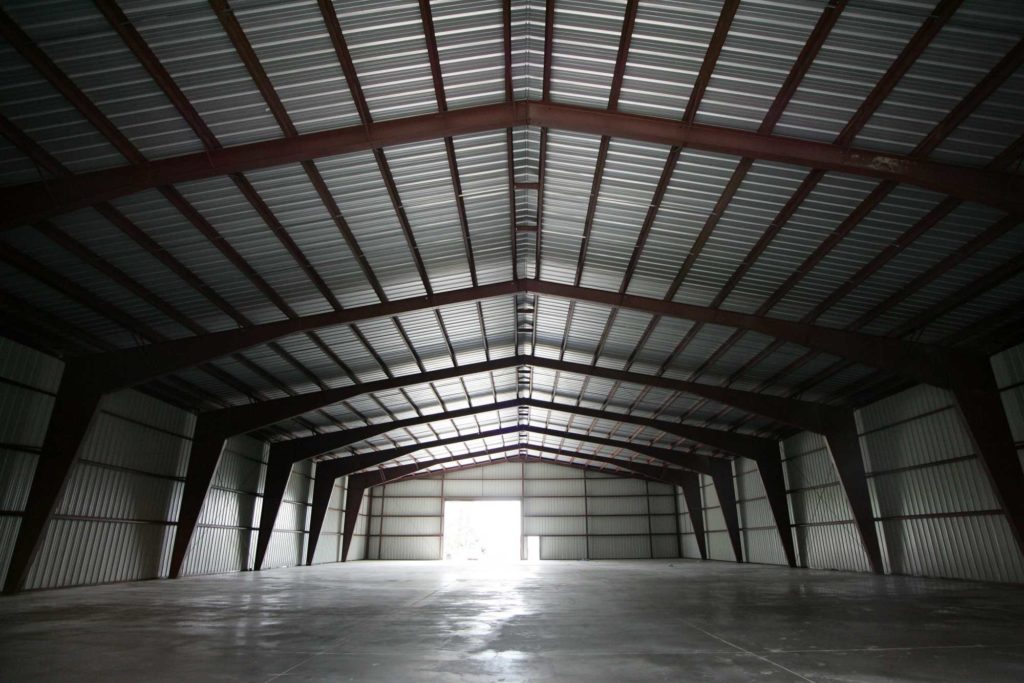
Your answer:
<point x="116" y="370"/>
<point x="326" y="476"/>
<point x="921" y="362"/>
<point x="280" y="461"/>
<point x="33" y="201"/>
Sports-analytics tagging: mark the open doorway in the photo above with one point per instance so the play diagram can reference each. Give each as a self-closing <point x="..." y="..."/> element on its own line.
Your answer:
<point x="482" y="530"/>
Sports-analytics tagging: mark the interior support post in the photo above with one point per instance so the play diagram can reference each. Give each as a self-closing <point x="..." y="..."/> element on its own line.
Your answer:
<point x="353" y="501"/>
<point x="721" y="478"/>
<point x="203" y="458"/>
<point x="844" y="446"/>
<point x="689" y="482"/>
<point x="73" y="412"/>
<point x="323" y="487"/>
<point x="274" y="484"/>
<point x="981" y="406"/>
<point x="774" y="482"/>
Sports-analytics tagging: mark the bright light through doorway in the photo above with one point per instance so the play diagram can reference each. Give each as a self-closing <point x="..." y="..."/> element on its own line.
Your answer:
<point x="482" y="530"/>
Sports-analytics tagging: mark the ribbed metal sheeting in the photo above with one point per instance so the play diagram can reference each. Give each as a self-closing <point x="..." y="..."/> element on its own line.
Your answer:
<point x="938" y="513"/>
<point x="389" y="51"/>
<point x="28" y="381"/>
<point x="826" y="535"/>
<point x="763" y="42"/>
<point x="225" y="538"/>
<point x="935" y="509"/>
<point x="718" y="543"/>
<point x="116" y="519"/>
<point x="288" y="541"/>
<point x="667" y="49"/>
<point x="80" y="41"/>
<point x="697" y="182"/>
<point x="577" y="515"/>
<point x="758" y="532"/>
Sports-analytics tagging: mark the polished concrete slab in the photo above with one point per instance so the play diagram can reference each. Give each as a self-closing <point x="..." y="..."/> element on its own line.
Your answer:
<point x="641" y="620"/>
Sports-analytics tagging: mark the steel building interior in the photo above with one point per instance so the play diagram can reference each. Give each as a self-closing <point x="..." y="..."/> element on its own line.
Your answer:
<point x="723" y="297"/>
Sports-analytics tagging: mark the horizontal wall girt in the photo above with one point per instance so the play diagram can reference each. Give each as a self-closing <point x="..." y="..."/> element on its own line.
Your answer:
<point x="34" y="201"/>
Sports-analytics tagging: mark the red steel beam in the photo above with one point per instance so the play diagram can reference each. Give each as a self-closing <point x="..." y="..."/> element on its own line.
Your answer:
<point x="922" y="362"/>
<point x="303" y="448"/>
<point x="32" y="201"/>
<point x="329" y="471"/>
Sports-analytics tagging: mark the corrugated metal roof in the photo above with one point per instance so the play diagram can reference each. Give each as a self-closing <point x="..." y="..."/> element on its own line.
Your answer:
<point x="721" y="234"/>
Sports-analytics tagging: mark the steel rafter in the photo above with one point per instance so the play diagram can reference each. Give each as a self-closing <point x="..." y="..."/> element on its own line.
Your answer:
<point x="922" y="362"/>
<point x="284" y="454"/>
<point x="324" y="481"/>
<point x="30" y="202"/>
<point x="1003" y="70"/>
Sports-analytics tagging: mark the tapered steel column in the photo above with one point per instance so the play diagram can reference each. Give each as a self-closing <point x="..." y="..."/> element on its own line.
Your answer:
<point x="775" y="490"/>
<point x="203" y="458"/>
<point x="73" y="412"/>
<point x="844" y="446"/>
<point x="689" y="482"/>
<point x="323" y="487"/>
<point x="353" y="501"/>
<point x="981" y="406"/>
<point x="721" y="478"/>
<point x="274" y="484"/>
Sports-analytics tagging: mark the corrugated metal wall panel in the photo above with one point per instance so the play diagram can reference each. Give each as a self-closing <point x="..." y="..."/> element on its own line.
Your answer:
<point x="663" y="524"/>
<point x="665" y="546"/>
<point x="78" y="552"/>
<point x="327" y="549"/>
<point x="756" y="514"/>
<point x="618" y="506"/>
<point x="554" y="506"/>
<point x="554" y="526"/>
<point x="762" y="546"/>
<point x="24" y="413"/>
<point x="16" y="470"/>
<point x="411" y="506"/>
<point x="563" y="548"/>
<point x="8" y="534"/>
<point x="662" y="504"/>
<point x="689" y="546"/>
<point x="824" y="504"/>
<point x="982" y="548"/>
<point x="831" y="546"/>
<point x="553" y="487"/>
<point x="957" y="486"/>
<point x="719" y="546"/>
<point x="620" y="547"/>
<point x="216" y="550"/>
<point x="411" y="526"/>
<point x="285" y="550"/>
<point x="618" y="525"/>
<point x="543" y="470"/>
<point x="410" y="548"/>
<point x="560" y="503"/>
<point x="415" y="487"/>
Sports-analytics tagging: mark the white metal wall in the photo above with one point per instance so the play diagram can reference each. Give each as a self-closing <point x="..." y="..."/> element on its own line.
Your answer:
<point x="577" y="514"/>
<point x="935" y="510"/>
<point x="330" y="545"/>
<point x="117" y="517"/>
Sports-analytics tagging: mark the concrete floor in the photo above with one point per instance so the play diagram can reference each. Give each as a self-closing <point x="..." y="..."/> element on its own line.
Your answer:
<point x="674" y="620"/>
